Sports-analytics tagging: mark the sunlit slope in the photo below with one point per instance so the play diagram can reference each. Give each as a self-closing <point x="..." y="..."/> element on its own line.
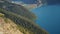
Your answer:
<point x="25" y="25"/>
<point x="8" y="27"/>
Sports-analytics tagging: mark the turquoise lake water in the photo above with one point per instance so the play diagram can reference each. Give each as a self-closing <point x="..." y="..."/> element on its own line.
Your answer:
<point x="48" y="17"/>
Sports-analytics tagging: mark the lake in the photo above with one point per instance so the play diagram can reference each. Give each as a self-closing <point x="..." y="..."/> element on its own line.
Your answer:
<point x="48" y="17"/>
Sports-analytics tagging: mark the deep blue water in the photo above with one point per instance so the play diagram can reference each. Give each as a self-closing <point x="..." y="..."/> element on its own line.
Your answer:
<point x="48" y="17"/>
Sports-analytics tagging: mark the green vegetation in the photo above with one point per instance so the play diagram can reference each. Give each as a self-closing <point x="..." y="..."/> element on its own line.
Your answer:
<point x="24" y="24"/>
<point x="1" y="15"/>
<point x="17" y="9"/>
<point x="22" y="17"/>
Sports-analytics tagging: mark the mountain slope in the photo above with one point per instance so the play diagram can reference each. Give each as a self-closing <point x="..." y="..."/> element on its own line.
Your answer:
<point x="21" y="17"/>
<point x="8" y="27"/>
<point x="24" y="24"/>
<point x="18" y="9"/>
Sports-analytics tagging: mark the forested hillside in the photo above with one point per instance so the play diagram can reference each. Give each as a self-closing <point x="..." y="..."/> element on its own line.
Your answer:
<point x="18" y="9"/>
<point x="20" y="16"/>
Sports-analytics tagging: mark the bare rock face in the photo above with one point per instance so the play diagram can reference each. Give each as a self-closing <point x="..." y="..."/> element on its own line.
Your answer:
<point x="8" y="27"/>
